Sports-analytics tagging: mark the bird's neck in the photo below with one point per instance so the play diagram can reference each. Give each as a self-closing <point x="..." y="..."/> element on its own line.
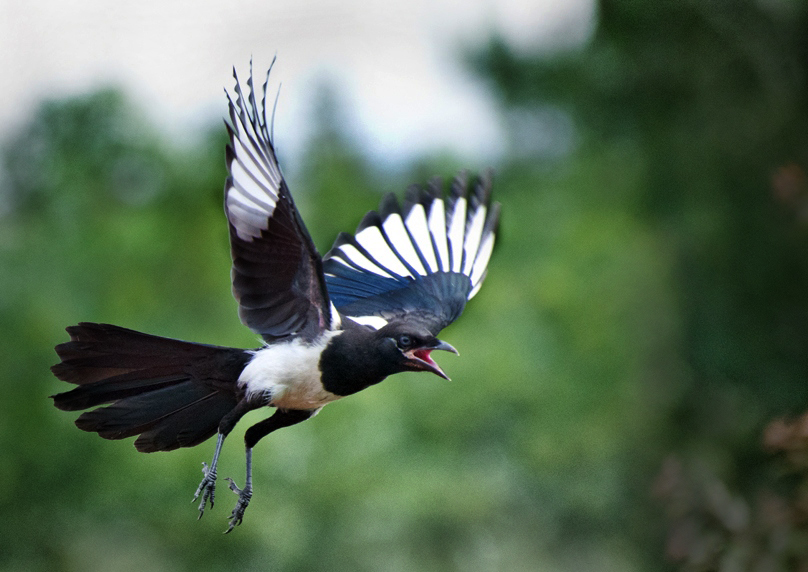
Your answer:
<point x="350" y="364"/>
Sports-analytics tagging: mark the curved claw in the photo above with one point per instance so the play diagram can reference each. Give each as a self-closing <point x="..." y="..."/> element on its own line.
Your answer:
<point x="207" y="488"/>
<point x="244" y="496"/>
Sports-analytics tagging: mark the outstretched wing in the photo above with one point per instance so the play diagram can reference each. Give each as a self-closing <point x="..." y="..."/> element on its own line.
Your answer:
<point x="424" y="260"/>
<point x="277" y="272"/>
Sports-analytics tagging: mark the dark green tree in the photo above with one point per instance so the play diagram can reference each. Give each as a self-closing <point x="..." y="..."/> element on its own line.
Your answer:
<point x="699" y="110"/>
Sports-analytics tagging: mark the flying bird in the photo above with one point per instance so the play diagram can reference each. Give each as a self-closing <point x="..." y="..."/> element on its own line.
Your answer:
<point x="330" y="325"/>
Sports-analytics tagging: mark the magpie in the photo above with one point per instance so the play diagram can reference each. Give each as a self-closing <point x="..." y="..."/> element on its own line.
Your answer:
<point x="330" y="325"/>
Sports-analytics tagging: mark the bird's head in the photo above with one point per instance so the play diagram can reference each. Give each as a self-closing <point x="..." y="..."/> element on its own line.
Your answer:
<point x="409" y="346"/>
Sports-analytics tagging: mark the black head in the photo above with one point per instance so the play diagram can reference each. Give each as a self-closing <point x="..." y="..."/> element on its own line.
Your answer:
<point x="407" y="347"/>
<point x="361" y="356"/>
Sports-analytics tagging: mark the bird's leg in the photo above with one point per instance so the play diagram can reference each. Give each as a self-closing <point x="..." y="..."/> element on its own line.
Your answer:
<point x="244" y="495"/>
<point x="207" y="488"/>
<point x="281" y="418"/>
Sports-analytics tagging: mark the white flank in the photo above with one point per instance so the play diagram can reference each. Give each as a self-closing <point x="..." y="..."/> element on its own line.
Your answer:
<point x="289" y="374"/>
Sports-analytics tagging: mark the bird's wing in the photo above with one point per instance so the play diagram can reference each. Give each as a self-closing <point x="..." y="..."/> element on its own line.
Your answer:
<point x="422" y="260"/>
<point x="277" y="272"/>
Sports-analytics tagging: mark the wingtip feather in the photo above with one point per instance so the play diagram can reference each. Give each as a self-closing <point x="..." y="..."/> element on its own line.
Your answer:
<point x="388" y="206"/>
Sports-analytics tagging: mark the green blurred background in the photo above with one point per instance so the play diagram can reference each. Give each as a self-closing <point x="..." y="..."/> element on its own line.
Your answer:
<point x="645" y="318"/>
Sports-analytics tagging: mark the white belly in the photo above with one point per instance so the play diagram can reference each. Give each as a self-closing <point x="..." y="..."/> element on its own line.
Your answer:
<point x="289" y="375"/>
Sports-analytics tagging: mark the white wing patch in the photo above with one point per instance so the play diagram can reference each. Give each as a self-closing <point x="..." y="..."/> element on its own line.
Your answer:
<point x="352" y="254"/>
<point x="248" y="222"/>
<point x="455" y="229"/>
<point x="419" y="228"/>
<point x="473" y="235"/>
<point x="375" y="322"/>
<point x="252" y="190"/>
<point x="436" y="235"/>
<point x="373" y="241"/>
<point x="437" y="226"/>
<point x="481" y="262"/>
<point x="395" y="231"/>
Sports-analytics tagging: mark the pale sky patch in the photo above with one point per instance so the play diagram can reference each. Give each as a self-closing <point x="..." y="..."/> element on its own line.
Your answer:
<point x="395" y="62"/>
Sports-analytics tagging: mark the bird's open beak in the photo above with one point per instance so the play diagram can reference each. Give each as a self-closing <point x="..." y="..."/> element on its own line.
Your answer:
<point x="419" y="358"/>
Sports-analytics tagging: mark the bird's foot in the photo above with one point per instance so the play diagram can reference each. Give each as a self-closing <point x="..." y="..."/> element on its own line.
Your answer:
<point x="244" y="496"/>
<point x="207" y="488"/>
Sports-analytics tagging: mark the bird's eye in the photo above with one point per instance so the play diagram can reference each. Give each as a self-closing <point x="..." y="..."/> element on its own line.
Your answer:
<point x="404" y="341"/>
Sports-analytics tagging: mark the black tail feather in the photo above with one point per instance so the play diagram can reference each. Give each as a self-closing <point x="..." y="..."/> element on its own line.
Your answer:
<point x="171" y="393"/>
<point x="113" y="389"/>
<point x="183" y="428"/>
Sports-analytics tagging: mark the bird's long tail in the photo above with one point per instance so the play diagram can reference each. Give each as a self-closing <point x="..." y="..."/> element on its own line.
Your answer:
<point x="171" y="393"/>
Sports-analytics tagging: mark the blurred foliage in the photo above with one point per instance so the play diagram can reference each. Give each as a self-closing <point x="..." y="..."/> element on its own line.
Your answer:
<point x="713" y="528"/>
<point x="645" y="318"/>
<point x="698" y="112"/>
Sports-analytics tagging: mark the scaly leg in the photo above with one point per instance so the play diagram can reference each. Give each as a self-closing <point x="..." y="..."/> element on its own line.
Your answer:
<point x="207" y="488"/>
<point x="244" y="495"/>
<point x="281" y="418"/>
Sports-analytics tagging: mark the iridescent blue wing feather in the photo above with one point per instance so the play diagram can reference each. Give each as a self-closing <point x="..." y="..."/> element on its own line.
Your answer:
<point x="424" y="260"/>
